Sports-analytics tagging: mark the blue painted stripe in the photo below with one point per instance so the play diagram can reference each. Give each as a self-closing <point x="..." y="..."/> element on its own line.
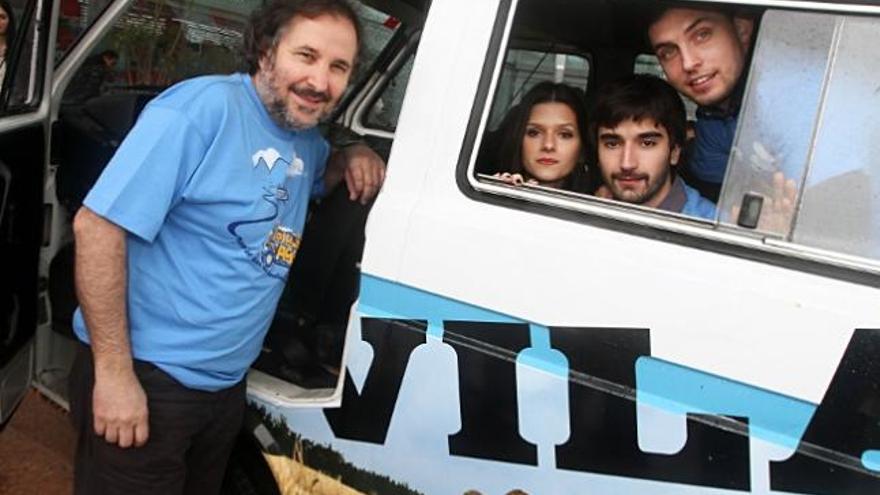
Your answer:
<point x="773" y="417"/>
<point x="380" y="298"/>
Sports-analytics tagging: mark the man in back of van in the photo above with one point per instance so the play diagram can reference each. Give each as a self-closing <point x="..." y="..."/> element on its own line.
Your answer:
<point x="184" y="244"/>
<point x="704" y="53"/>
<point x="638" y="129"/>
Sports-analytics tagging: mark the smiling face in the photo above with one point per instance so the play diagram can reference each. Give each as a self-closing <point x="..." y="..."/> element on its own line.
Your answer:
<point x="551" y="143"/>
<point x="301" y="81"/>
<point x="635" y="158"/>
<point x="702" y="52"/>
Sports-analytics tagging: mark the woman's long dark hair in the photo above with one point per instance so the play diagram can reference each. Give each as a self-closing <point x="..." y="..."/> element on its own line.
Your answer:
<point x="513" y="131"/>
<point x="10" y="26"/>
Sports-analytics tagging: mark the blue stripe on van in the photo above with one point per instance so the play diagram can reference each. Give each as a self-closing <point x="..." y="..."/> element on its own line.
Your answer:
<point x="772" y="417"/>
<point x="383" y="299"/>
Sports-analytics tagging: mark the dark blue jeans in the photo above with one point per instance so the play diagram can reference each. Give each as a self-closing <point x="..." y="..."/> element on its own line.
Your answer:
<point x="192" y="433"/>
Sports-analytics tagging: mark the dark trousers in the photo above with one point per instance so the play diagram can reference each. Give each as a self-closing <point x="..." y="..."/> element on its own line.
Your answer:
<point x="191" y="436"/>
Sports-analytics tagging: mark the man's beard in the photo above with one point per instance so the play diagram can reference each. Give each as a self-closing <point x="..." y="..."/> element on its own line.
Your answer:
<point x="273" y="98"/>
<point x="650" y="192"/>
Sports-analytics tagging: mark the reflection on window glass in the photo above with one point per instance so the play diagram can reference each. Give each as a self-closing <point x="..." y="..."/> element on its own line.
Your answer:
<point x="378" y="28"/>
<point x="157" y="43"/>
<point x="841" y="198"/>
<point x="523" y="69"/>
<point x="160" y="43"/>
<point x="779" y="112"/>
<point x="808" y="113"/>
<point x="385" y="109"/>
<point x="74" y="19"/>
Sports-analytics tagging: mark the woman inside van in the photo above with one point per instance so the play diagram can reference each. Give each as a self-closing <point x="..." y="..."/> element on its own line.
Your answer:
<point x="7" y="35"/>
<point x="542" y="142"/>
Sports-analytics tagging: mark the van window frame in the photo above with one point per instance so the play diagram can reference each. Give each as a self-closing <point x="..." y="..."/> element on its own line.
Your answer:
<point x="630" y="219"/>
<point x="396" y="60"/>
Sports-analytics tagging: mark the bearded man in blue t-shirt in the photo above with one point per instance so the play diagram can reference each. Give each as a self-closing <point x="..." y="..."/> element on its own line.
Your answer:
<point x="184" y="244"/>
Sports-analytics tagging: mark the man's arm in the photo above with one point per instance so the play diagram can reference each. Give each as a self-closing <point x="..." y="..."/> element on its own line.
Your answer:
<point x="361" y="168"/>
<point x="119" y="403"/>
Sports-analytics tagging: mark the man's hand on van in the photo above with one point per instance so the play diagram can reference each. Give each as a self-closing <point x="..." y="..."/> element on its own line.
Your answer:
<point x="361" y="168"/>
<point x="119" y="406"/>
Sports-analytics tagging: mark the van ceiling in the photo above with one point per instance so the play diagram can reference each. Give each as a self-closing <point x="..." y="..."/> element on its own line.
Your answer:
<point x="589" y="25"/>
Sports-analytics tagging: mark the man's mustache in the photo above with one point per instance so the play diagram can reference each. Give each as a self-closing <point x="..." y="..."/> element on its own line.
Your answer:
<point x="310" y="94"/>
<point x="620" y="176"/>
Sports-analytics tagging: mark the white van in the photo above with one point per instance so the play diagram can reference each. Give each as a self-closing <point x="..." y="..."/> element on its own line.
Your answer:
<point x="502" y="340"/>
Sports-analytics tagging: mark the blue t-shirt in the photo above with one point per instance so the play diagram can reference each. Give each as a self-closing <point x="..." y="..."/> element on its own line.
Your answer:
<point x="696" y="205"/>
<point x="213" y="195"/>
<point x="686" y="200"/>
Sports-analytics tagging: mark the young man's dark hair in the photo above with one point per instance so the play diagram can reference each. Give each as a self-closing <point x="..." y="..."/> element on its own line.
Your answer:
<point x="267" y="25"/>
<point x="656" y="10"/>
<point x="637" y="98"/>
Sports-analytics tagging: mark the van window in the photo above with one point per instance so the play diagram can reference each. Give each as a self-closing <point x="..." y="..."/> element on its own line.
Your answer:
<point x="156" y="47"/>
<point x="385" y="109"/>
<point x="378" y="29"/>
<point x="159" y="43"/>
<point x="74" y="19"/>
<point x="806" y="112"/>
<point x="840" y="206"/>
<point x="809" y="112"/>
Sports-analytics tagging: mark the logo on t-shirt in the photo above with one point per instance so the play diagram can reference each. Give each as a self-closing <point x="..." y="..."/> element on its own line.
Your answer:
<point x="268" y="157"/>
<point x="296" y="167"/>
<point x="265" y="240"/>
<point x="279" y="249"/>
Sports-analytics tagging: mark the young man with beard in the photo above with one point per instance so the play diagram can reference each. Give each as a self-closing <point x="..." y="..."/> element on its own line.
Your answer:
<point x="184" y="243"/>
<point x="704" y="53"/>
<point x="639" y="126"/>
